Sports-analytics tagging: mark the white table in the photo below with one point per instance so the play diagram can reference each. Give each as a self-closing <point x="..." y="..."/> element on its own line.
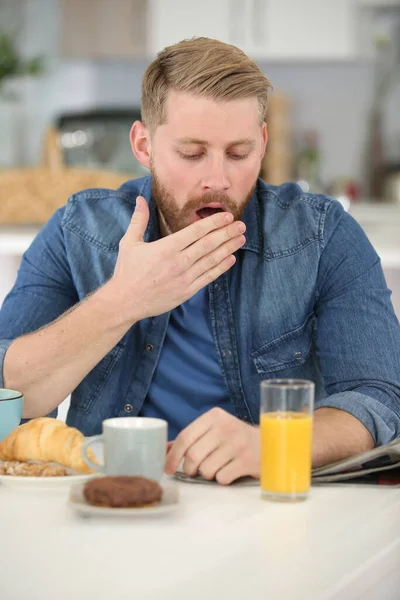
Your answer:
<point x="342" y="543"/>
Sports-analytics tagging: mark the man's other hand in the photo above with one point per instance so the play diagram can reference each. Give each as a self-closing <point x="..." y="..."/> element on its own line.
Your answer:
<point x="217" y="446"/>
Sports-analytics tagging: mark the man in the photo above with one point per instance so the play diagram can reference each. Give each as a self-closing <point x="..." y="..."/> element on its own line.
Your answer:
<point x="175" y="295"/>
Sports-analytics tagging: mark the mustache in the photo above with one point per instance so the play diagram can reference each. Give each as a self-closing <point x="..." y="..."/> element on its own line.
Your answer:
<point x="194" y="204"/>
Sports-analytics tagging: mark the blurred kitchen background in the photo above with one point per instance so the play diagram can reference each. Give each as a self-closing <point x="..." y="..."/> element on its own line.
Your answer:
<point x="70" y="83"/>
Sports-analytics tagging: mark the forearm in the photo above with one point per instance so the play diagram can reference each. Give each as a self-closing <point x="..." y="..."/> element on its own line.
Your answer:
<point x="337" y="435"/>
<point x="47" y="365"/>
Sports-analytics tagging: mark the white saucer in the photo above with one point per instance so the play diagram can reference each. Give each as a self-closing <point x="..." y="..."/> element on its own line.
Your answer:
<point x="168" y="503"/>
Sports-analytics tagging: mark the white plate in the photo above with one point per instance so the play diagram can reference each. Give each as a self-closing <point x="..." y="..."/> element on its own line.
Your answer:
<point x="18" y="482"/>
<point x="168" y="503"/>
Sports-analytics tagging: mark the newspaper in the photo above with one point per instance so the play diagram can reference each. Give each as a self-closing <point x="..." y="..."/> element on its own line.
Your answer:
<point x="375" y="466"/>
<point x="378" y="466"/>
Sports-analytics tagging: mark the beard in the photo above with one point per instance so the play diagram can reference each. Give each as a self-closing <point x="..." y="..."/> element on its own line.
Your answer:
<point x="174" y="218"/>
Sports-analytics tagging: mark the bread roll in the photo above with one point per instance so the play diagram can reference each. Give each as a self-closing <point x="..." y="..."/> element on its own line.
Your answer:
<point x="48" y="440"/>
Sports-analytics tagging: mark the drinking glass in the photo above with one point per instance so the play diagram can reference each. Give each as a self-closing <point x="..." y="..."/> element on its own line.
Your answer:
<point x="286" y="410"/>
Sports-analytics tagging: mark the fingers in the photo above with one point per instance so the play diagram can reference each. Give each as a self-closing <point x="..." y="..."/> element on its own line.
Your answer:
<point x="213" y="274"/>
<point x="230" y="472"/>
<point x="139" y="221"/>
<point x="215" y="258"/>
<point x="185" y="440"/>
<point x="187" y="236"/>
<point x="212" y="464"/>
<point x="217" y="445"/>
<point x="229" y="238"/>
<point x="213" y="459"/>
<point x="199" y="452"/>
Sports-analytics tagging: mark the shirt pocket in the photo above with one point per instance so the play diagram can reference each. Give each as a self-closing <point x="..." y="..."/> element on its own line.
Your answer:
<point x="289" y="351"/>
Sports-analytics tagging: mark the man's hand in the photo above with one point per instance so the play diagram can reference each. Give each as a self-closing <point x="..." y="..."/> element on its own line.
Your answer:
<point x="152" y="278"/>
<point x="217" y="445"/>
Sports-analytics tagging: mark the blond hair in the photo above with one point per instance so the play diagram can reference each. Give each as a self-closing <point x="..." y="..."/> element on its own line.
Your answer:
<point x="203" y="67"/>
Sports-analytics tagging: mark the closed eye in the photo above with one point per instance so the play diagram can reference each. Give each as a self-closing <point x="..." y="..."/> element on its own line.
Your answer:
<point x="190" y="156"/>
<point x="198" y="156"/>
<point x="238" y="156"/>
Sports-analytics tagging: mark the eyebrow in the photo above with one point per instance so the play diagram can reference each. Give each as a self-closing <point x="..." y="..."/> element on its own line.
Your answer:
<point x="242" y="141"/>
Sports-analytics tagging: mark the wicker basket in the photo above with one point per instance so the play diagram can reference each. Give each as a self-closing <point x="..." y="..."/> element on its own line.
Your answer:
<point x="30" y="196"/>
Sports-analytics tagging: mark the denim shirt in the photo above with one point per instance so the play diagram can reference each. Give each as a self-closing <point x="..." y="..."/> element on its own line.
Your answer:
<point x="306" y="299"/>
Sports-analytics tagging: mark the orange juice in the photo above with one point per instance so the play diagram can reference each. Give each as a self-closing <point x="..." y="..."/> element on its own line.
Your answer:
<point x="285" y="452"/>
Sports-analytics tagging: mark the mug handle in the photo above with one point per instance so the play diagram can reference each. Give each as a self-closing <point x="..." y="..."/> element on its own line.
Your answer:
<point x="92" y="440"/>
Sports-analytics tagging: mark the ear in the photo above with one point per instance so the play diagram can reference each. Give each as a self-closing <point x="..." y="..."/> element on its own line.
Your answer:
<point x="141" y="143"/>
<point x="264" y="133"/>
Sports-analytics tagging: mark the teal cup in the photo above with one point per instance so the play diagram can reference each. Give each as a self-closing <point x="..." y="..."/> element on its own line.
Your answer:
<point x="132" y="446"/>
<point x="11" y="405"/>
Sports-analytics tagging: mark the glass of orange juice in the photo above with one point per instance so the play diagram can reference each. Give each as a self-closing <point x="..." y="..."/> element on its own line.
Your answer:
<point x="286" y="410"/>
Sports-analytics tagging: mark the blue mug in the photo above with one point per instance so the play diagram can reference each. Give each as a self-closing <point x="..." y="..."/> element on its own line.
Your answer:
<point x="11" y="405"/>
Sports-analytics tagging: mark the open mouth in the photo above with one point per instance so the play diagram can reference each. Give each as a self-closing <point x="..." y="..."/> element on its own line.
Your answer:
<point x="209" y="209"/>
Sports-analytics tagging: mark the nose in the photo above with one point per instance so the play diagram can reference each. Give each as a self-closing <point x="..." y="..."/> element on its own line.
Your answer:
<point x="215" y="178"/>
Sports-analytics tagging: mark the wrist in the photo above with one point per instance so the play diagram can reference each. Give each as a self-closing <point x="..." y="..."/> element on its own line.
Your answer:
<point x="337" y="434"/>
<point x="120" y="312"/>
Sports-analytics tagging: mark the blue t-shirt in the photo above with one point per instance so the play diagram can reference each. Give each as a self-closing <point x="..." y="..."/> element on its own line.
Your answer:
<point x="187" y="381"/>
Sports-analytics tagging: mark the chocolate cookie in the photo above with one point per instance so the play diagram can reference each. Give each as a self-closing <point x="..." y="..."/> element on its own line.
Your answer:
<point x="122" y="491"/>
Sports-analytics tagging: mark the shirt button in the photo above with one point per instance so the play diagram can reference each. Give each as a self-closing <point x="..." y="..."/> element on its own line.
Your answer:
<point x="149" y="347"/>
<point x="128" y="408"/>
<point x="298" y="355"/>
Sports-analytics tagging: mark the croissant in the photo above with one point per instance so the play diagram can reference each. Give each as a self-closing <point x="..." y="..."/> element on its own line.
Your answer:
<point x="48" y="440"/>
